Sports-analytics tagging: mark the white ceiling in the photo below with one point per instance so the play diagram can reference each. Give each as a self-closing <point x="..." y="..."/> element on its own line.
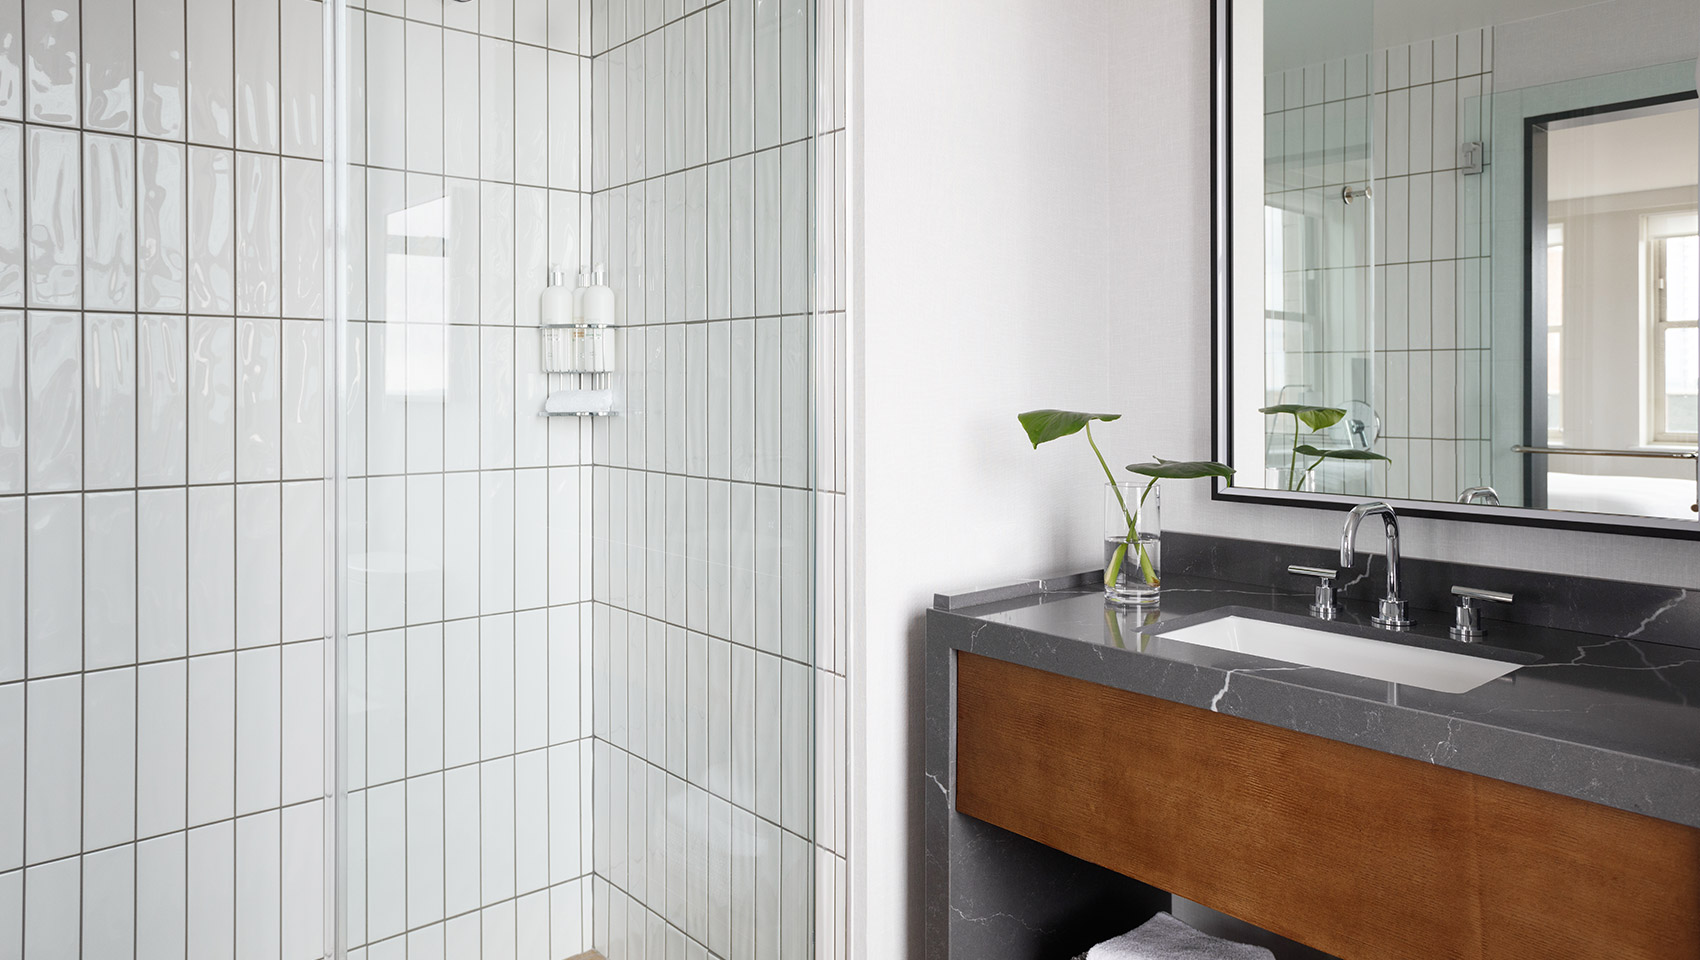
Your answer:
<point x="1625" y="156"/>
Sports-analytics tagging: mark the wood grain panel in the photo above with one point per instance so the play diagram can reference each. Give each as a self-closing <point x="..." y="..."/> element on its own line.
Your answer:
<point x="1358" y="853"/>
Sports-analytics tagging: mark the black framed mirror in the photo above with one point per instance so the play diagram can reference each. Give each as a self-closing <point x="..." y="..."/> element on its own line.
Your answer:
<point x="1457" y="255"/>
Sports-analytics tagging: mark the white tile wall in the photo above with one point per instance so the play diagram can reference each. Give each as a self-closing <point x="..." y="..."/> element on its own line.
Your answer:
<point x="161" y="639"/>
<point x="470" y="766"/>
<point x="162" y="503"/>
<point x="715" y="492"/>
<point x="1403" y="128"/>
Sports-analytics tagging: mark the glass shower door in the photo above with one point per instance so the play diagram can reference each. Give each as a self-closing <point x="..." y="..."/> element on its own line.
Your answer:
<point x="577" y="677"/>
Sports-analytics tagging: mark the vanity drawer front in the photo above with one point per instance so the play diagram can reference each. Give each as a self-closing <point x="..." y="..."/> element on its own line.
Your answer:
<point x="1359" y="853"/>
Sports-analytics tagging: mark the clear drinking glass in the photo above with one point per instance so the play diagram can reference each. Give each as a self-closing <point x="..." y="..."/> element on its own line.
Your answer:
<point x="1132" y="552"/>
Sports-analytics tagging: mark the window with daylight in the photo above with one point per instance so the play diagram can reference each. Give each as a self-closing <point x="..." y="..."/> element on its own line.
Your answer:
<point x="1673" y="333"/>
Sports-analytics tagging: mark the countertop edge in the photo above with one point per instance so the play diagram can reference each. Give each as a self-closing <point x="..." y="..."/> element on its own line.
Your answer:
<point x="1609" y="777"/>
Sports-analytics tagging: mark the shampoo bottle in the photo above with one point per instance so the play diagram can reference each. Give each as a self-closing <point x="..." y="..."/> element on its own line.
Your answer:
<point x="554" y="309"/>
<point x="599" y="308"/>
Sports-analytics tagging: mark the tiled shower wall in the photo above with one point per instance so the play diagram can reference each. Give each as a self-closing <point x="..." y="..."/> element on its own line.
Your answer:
<point x="714" y="487"/>
<point x="702" y="551"/>
<point x="1421" y="101"/>
<point x="469" y="758"/>
<point x="161" y="503"/>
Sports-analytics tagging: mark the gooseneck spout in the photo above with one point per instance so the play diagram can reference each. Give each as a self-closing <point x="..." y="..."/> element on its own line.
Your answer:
<point x="1392" y="609"/>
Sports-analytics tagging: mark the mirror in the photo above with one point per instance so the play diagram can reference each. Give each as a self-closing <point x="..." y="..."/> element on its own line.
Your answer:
<point x="1459" y="257"/>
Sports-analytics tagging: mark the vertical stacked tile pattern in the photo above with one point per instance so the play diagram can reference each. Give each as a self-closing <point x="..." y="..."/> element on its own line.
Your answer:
<point x="706" y="495"/>
<point x="162" y="504"/>
<point x="469" y="828"/>
<point x="1399" y="116"/>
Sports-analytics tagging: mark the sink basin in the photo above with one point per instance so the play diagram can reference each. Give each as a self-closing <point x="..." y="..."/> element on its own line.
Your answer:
<point x="1388" y="660"/>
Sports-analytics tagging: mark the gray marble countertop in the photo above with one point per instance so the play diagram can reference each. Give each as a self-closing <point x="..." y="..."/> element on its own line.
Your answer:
<point x="1612" y="721"/>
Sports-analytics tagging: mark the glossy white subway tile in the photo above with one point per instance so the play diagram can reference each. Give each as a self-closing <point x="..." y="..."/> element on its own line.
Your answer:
<point x="55" y="379"/>
<point x="386" y="861"/>
<point x="259" y="564"/>
<point x="162" y="385"/>
<point x="424" y="98"/>
<point x="52" y="44"/>
<point x="259" y="227"/>
<point x="258" y="924"/>
<point x="258" y="90"/>
<point x="13" y="567"/>
<point x="109" y="401"/>
<point x="212" y="231"/>
<point x="53" y="755"/>
<point x="425" y="841"/>
<point x="161" y="905"/>
<point x="161" y="242"/>
<point x="496" y="109"/>
<point x="259" y="423"/>
<point x="161" y="87"/>
<point x="52" y="904"/>
<point x="496" y="686"/>
<point x="303" y="717"/>
<point x="54" y="590"/>
<point x="211" y="71"/>
<point x="53" y="164"/>
<point x="109" y="904"/>
<point x="301" y="77"/>
<point x="259" y="730"/>
<point x="302" y="878"/>
<point x="161" y="574"/>
<point x="107" y="64"/>
<point x="212" y="568"/>
<point x="109" y="579"/>
<point x="11" y="60"/>
<point x="424" y="558"/>
<point x="12" y="254"/>
<point x="211" y="406"/>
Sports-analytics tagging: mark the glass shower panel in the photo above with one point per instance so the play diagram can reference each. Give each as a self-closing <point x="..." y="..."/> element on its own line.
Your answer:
<point x="578" y="680"/>
<point x="1321" y="202"/>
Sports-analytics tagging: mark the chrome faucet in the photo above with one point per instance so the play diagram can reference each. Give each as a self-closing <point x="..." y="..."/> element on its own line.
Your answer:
<point x="1392" y="615"/>
<point x="1486" y="495"/>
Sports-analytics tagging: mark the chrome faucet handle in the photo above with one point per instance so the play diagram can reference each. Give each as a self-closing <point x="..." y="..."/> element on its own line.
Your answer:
<point x="1322" y="607"/>
<point x="1467" y="619"/>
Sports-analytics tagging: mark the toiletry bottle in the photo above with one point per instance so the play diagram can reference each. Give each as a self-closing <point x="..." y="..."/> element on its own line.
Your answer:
<point x="576" y="348"/>
<point x="599" y="308"/>
<point x="554" y="309"/>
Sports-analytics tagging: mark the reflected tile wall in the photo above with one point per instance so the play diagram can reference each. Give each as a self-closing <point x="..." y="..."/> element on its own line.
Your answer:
<point x="161" y="496"/>
<point x="1398" y="115"/>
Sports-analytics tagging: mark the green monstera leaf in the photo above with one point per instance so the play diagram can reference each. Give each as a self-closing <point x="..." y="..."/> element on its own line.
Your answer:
<point x="1181" y="469"/>
<point x="1316" y="418"/>
<point x="1043" y="426"/>
<point x="1342" y="454"/>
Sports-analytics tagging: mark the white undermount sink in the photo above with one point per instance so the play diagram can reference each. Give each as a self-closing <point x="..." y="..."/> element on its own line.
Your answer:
<point x="1386" y="660"/>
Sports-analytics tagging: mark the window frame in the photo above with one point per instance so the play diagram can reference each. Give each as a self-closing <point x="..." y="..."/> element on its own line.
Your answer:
<point x="1657" y="229"/>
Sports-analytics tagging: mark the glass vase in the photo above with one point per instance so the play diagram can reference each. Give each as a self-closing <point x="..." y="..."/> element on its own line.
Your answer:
<point x="1132" y="556"/>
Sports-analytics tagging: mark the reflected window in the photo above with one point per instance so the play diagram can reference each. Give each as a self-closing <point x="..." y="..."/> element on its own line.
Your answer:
<point x="1673" y="334"/>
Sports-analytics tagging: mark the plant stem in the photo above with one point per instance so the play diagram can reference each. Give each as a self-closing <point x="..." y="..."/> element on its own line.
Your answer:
<point x="1108" y="475"/>
<point x="1145" y="567"/>
<point x="1114" y="568"/>
<point x="1293" y="462"/>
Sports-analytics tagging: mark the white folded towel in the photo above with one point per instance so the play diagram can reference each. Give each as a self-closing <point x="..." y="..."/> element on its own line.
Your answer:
<point x="1165" y="938"/>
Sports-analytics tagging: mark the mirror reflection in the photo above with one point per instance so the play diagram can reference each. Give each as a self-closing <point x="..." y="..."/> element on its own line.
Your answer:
<point x="1465" y="252"/>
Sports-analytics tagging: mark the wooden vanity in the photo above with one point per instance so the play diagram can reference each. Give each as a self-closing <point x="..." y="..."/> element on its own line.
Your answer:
<point x="1356" y="852"/>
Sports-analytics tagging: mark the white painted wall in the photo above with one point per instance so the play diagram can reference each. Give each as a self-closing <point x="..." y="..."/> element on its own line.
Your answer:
<point x="983" y="252"/>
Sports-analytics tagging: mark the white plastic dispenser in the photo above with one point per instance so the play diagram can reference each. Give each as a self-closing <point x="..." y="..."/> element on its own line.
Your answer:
<point x="578" y="351"/>
<point x="555" y="315"/>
